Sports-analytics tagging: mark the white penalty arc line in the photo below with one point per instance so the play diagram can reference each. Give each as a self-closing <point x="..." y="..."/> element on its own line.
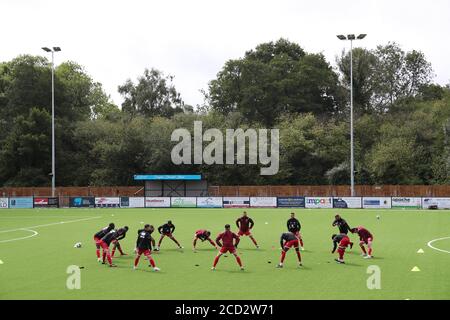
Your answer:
<point x="435" y="240"/>
<point x="35" y="233"/>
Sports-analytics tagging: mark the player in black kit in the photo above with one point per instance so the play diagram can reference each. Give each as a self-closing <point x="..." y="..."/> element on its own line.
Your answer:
<point x="116" y="244"/>
<point x="99" y="235"/>
<point x="343" y="226"/>
<point x="166" y="230"/>
<point x="144" y="246"/>
<point x="111" y="236"/>
<point x="294" y="226"/>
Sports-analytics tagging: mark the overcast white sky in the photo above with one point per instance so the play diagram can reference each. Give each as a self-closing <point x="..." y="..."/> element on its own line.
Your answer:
<point x="192" y="39"/>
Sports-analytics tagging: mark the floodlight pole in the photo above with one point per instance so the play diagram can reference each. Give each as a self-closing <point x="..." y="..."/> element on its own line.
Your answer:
<point x="352" y="159"/>
<point x="351" y="37"/>
<point x="53" y="126"/>
<point x="52" y="50"/>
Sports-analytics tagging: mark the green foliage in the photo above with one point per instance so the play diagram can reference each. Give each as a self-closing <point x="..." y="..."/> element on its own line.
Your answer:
<point x="402" y="120"/>
<point x="153" y="95"/>
<point x="275" y="79"/>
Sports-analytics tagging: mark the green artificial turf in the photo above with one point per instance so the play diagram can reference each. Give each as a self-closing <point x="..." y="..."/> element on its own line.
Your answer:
<point x="35" y="267"/>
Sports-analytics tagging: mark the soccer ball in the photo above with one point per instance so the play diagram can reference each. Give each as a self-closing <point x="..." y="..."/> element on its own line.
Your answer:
<point x="77" y="245"/>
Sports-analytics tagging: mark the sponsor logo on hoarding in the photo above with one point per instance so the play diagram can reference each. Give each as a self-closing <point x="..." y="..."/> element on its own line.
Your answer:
<point x="184" y="202"/>
<point x="318" y="201"/>
<point x="4" y="203"/>
<point x="237" y="202"/>
<point x="347" y="203"/>
<point x="270" y="202"/>
<point x="79" y="202"/>
<point x="209" y="202"/>
<point x="291" y="202"/>
<point x="40" y="201"/>
<point x="157" y="202"/>
<point x="21" y="202"/>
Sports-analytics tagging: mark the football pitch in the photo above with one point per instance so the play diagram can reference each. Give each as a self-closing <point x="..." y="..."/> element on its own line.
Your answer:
<point x="37" y="247"/>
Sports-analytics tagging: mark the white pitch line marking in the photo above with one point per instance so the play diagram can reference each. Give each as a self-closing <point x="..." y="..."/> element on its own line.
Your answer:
<point x="35" y="233"/>
<point x="432" y="241"/>
<point x="49" y="224"/>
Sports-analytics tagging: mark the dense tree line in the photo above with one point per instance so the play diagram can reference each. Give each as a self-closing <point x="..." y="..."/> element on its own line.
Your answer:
<point x="402" y="120"/>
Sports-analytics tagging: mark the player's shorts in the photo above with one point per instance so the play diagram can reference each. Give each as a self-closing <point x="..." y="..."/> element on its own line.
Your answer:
<point x="244" y="233"/>
<point x="344" y="242"/>
<point x="145" y="252"/>
<point x="366" y="241"/>
<point x="96" y="239"/>
<point x="103" y="244"/>
<point x="292" y="243"/>
<point x="231" y="250"/>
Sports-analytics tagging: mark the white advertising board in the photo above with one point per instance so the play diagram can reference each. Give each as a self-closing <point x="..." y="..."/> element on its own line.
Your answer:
<point x="236" y="202"/>
<point x="439" y="203"/>
<point x="209" y="202"/>
<point x="157" y="202"/>
<point x="263" y="202"/>
<point x="376" y="202"/>
<point x="319" y="202"/>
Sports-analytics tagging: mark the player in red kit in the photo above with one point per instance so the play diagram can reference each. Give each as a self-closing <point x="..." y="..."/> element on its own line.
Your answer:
<point x="144" y="244"/>
<point x="287" y="241"/>
<point x="365" y="237"/>
<point x="344" y="241"/>
<point x="245" y="224"/>
<point x="99" y="235"/>
<point x="230" y="241"/>
<point x="203" y="235"/>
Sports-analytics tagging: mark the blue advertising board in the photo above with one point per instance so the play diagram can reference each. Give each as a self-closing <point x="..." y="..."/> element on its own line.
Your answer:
<point x="291" y="202"/>
<point x="82" y="202"/>
<point x="21" y="202"/>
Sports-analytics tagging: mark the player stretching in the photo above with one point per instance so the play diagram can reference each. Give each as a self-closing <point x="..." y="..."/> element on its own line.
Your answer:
<point x="343" y="226"/>
<point x="166" y="230"/>
<point x="203" y="235"/>
<point x="245" y="224"/>
<point x="230" y="241"/>
<point x="287" y="241"/>
<point x="144" y="246"/>
<point x="116" y="244"/>
<point x="365" y="237"/>
<point x="105" y="242"/>
<point x="343" y="240"/>
<point x="294" y="226"/>
<point x="99" y="235"/>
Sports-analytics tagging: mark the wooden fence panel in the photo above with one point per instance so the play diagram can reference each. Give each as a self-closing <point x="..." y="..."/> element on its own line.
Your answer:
<point x="252" y="191"/>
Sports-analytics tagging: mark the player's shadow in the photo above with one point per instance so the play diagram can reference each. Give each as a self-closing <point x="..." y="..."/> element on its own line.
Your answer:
<point x="205" y="250"/>
<point x="148" y="270"/>
<point x="233" y="271"/>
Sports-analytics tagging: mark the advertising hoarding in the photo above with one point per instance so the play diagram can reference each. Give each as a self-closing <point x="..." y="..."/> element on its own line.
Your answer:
<point x="236" y="202"/>
<point x="376" y="202"/>
<point x="209" y="202"/>
<point x="157" y="202"/>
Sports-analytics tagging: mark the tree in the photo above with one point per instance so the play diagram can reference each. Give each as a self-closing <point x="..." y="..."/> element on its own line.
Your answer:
<point x="398" y="75"/>
<point x="153" y="95"/>
<point x="274" y="79"/>
<point x="25" y="152"/>
<point x="364" y="65"/>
